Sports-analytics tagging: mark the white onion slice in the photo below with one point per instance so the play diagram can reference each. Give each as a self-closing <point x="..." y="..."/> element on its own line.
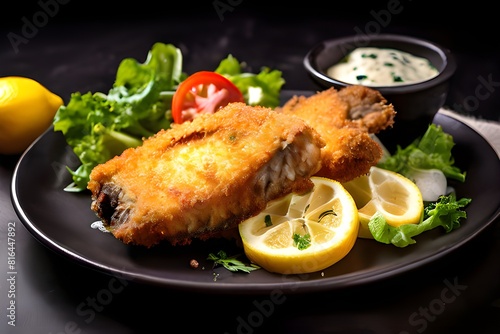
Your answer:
<point x="431" y="182"/>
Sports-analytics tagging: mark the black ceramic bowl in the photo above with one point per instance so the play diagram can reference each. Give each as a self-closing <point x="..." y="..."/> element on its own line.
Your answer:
<point x="416" y="104"/>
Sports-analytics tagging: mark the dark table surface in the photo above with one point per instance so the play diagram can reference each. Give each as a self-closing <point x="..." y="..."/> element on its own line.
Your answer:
<point x="77" y="46"/>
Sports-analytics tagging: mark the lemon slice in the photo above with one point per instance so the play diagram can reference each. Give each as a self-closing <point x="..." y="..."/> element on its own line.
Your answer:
<point x="396" y="197"/>
<point x="299" y="234"/>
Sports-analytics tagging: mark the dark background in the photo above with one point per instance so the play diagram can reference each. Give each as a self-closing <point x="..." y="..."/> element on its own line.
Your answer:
<point x="79" y="46"/>
<point x="81" y="30"/>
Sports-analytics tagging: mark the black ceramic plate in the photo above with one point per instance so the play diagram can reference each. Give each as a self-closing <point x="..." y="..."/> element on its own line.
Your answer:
<point x="62" y="221"/>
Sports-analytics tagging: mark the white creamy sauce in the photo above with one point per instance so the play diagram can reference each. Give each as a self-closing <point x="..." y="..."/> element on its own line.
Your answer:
<point x="382" y="67"/>
<point x="99" y="225"/>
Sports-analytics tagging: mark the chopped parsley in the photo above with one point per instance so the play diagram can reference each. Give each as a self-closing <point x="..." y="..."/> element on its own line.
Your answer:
<point x="267" y="220"/>
<point x="301" y="241"/>
<point x="397" y="78"/>
<point x="369" y="55"/>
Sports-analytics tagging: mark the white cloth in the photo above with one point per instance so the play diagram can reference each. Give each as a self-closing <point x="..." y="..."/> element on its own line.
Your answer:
<point x="490" y="130"/>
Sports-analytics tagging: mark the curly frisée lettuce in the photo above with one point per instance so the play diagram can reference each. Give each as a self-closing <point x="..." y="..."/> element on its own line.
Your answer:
<point x="446" y="212"/>
<point x="99" y="126"/>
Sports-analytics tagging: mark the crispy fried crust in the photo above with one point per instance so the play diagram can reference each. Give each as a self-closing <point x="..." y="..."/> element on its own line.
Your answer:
<point x="205" y="176"/>
<point x="367" y="108"/>
<point x="345" y="119"/>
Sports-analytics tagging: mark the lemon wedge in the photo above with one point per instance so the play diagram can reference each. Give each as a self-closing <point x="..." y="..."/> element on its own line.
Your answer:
<point x="395" y="196"/>
<point x="299" y="234"/>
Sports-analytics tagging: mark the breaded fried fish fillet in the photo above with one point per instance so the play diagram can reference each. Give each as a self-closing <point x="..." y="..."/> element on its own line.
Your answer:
<point x="345" y="119"/>
<point x="205" y="176"/>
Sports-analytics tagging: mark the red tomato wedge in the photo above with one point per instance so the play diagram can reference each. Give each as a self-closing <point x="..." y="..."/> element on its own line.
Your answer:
<point x="203" y="92"/>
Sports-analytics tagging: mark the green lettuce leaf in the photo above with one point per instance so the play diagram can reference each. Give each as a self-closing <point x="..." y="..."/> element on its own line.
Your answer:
<point x="446" y="212"/>
<point x="432" y="151"/>
<point x="261" y="89"/>
<point x="99" y="126"/>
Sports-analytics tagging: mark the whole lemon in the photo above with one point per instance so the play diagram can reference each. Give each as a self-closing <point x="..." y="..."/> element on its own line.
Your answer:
<point x="27" y="109"/>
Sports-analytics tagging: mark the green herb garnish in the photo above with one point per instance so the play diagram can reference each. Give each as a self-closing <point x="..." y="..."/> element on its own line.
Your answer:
<point x="268" y="221"/>
<point x="231" y="263"/>
<point x="301" y="241"/>
<point x="397" y="78"/>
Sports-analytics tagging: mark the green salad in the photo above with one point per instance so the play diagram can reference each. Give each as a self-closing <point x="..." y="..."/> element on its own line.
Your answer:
<point x="99" y="125"/>
<point x="420" y="162"/>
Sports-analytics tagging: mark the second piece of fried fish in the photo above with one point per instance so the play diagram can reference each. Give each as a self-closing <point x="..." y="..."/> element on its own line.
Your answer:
<point x="346" y="119"/>
<point x="206" y="176"/>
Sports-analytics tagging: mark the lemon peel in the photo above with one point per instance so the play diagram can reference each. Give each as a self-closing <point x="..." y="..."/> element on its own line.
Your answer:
<point x="27" y="109"/>
<point x="391" y="194"/>
<point x="299" y="234"/>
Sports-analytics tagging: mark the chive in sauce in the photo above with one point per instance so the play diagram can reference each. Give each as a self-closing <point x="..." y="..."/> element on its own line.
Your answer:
<point x="372" y="66"/>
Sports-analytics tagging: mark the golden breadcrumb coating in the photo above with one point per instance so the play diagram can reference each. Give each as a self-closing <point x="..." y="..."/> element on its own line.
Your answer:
<point x="203" y="177"/>
<point x="345" y="119"/>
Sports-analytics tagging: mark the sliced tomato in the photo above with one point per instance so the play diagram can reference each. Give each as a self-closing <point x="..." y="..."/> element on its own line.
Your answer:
<point x="203" y="92"/>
